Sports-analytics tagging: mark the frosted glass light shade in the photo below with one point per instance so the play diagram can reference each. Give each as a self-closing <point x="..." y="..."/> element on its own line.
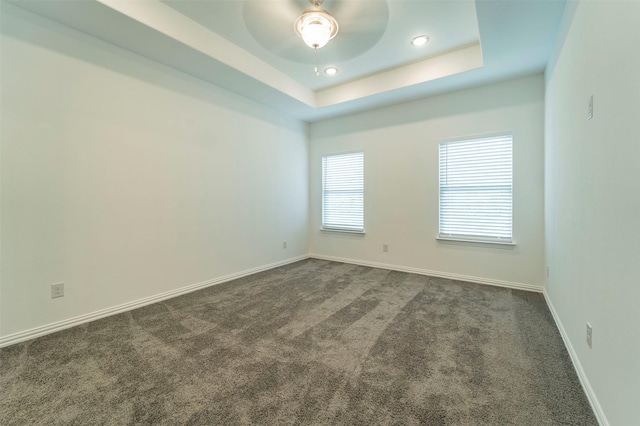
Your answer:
<point x="316" y="34"/>
<point x="316" y="27"/>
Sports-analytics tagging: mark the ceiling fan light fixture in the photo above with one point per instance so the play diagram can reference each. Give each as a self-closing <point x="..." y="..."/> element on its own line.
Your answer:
<point x="316" y="27"/>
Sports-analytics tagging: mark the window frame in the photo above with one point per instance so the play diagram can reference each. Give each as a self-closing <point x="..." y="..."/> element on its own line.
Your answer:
<point x="346" y="228"/>
<point x="464" y="238"/>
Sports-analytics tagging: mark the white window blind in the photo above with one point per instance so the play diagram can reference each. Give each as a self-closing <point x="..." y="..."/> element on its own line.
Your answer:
<point x="476" y="189"/>
<point x="343" y="192"/>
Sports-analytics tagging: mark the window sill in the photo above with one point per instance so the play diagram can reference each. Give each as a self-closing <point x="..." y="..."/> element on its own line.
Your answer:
<point x="480" y="242"/>
<point x="344" y="231"/>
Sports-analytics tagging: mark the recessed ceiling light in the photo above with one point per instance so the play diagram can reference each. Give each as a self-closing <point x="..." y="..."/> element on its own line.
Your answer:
<point x="331" y="71"/>
<point x="420" y="40"/>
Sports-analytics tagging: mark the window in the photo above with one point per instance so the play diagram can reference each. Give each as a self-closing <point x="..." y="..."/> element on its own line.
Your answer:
<point x="343" y="192"/>
<point x="476" y="189"/>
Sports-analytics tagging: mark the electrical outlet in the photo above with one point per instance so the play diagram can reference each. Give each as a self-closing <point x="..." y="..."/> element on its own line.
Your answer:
<point x="547" y="272"/>
<point x="590" y="108"/>
<point x="284" y="244"/>
<point x="57" y="290"/>
<point x="589" y="334"/>
<point x="385" y="248"/>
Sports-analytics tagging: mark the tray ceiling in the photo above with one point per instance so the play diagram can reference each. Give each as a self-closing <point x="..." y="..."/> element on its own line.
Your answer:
<point x="249" y="46"/>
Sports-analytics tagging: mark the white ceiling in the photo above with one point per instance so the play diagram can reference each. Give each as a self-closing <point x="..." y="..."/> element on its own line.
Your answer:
<point x="249" y="46"/>
<point x="374" y="34"/>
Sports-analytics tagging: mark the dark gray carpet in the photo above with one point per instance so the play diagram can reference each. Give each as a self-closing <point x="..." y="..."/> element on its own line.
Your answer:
<point x="313" y="342"/>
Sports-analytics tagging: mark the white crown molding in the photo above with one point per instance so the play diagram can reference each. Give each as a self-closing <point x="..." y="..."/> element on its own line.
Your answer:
<point x="22" y="336"/>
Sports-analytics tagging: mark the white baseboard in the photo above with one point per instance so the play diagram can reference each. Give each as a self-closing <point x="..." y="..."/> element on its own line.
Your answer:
<point x="467" y="278"/>
<point x="72" y="322"/>
<point x="588" y="390"/>
<point x="593" y="400"/>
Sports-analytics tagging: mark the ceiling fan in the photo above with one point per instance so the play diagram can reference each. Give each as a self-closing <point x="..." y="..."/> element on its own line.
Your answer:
<point x="316" y="26"/>
<point x="361" y="25"/>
